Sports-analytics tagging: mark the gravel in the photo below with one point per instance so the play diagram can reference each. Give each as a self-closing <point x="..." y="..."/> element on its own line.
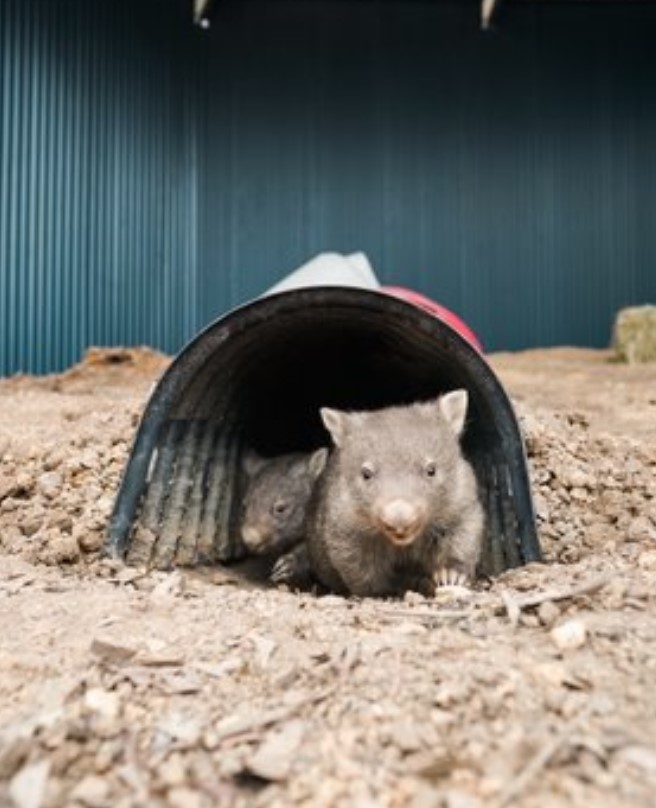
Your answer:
<point x="122" y="687"/>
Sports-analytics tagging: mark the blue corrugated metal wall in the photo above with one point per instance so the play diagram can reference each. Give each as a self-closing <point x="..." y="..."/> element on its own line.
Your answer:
<point x="97" y="179"/>
<point x="511" y="175"/>
<point x="152" y="175"/>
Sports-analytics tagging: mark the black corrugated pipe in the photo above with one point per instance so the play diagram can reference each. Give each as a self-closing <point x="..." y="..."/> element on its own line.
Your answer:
<point x="258" y="376"/>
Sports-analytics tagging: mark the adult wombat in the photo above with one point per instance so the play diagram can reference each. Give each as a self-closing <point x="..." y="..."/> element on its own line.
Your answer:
<point x="397" y="505"/>
<point x="275" y="502"/>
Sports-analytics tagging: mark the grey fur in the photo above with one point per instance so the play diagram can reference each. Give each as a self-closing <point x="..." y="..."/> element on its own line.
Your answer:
<point x="417" y="514"/>
<point x="276" y="499"/>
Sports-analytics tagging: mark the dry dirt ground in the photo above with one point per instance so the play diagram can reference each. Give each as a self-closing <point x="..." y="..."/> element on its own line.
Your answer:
<point x="121" y="688"/>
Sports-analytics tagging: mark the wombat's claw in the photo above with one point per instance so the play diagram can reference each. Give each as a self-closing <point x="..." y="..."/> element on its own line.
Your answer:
<point x="284" y="570"/>
<point x="447" y="576"/>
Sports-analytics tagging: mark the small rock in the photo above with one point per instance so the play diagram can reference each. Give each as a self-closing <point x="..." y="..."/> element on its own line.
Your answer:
<point x="414" y="598"/>
<point x="273" y="760"/>
<point x="53" y="460"/>
<point x="60" y="519"/>
<point x="31" y="523"/>
<point x="104" y="702"/>
<point x="551" y="674"/>
<point x="7" y="487"/>
<point x="59" y="548"/>
<point x="89" y="541"/>
<point x="112" y="652"/>
<point x="409" y="628"/>
<point x="184" y="798"/>
<point x="91" y="791"/>
<point x="433" y="764"/>
<point x="541" y="507"/>
<point x="461" y="799"/>
<point x="451" y="693"/>
<point x="50" y="484"/>
<point x="173" y="772"/>
<point x="88" y="459"/>
<point x="569" y="636"/>
<point x="642" y="757"/>
<point x="185" y="728"/>
<point x="407" y="737"/>
<point x="108" y="752"/>
<point x="640" y="529"/>
<point x="170" y="587"/>
<point x="264" y="649"/>
<point x="13" y="752"/>
<point x="575" y="478"/>
<point x="548" y="613"/>
<point x="24" y="484"/>
<point x="27" y="787"/>
<point x="181" y="683"/>
<point x="128" y="575"/>
<point x="647" y="560"/>
<point x="615" y="593"/>
<point x="425" y="796"/>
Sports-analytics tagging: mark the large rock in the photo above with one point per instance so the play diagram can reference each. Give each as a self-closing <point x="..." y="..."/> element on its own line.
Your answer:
<point x="634" y="334"/>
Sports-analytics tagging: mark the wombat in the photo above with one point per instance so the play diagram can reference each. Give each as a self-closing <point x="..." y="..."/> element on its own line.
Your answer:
<point x="276" y="499"/>
<point x="397" y="505"/>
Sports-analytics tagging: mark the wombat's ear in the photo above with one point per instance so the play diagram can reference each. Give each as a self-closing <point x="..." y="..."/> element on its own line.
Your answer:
<point x="454" y="408"/>
<point x="333" y="420"/>
<point x="251" y="462"/>
<point x="317" y="462"/>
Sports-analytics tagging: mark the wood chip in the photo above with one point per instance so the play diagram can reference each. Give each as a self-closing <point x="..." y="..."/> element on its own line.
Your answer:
<point x="641" y="757"/>
<point x="512" y="608"/>
<point x="112" y="652"/>
<point x="274" y="759"/>
<point x="27" y="787"/>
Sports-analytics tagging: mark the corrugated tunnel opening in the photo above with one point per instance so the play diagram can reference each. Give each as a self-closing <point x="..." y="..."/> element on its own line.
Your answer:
<point x="258" y="377"/>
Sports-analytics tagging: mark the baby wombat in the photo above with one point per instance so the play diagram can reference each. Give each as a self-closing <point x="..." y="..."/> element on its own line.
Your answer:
<point x="276" y="499"/>
<point x="397" y="506"/>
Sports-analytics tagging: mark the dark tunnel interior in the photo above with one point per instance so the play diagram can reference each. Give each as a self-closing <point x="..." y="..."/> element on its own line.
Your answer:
<point x="278" y="374"/>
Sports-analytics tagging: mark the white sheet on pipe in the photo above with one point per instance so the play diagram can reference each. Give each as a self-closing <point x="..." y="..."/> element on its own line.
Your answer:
<point x="330" y="269"/>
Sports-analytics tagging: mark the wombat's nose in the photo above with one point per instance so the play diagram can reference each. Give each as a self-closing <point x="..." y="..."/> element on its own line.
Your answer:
<point x="400" y="519"/>
<point x="252" y="536"/>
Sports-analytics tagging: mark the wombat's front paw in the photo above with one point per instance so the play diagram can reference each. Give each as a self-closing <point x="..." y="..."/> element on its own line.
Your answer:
<point x="450" y="576"/>
<point x="292" y="568"/>
<point x="284" y="570"/>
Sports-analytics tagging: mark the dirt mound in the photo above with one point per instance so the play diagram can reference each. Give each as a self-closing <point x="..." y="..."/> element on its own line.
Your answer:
<point x="592" y="492"/>
<point x="100" y="367"/>
<point x="55" y="499"/>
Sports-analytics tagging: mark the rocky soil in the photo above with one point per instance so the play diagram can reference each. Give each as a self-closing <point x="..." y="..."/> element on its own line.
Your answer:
<point x="120" y="687"/>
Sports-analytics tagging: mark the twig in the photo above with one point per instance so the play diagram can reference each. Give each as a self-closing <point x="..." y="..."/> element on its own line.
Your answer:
<point x="529" y="601"/>
<point x="240" y="725"/>
<point x="423" y="616"/>
<point x="541" y="759"/>
<point x="513" y="609"/>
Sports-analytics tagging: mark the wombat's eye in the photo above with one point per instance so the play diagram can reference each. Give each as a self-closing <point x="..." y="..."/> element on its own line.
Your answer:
<point x="280" y="507"/>
<point x="367" y="471"/>
<point x="430" y="468"/>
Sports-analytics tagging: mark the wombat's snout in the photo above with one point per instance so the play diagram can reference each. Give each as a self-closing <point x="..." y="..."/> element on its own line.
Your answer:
<point x="253" y="537"/>
<point x="400" y="519"/>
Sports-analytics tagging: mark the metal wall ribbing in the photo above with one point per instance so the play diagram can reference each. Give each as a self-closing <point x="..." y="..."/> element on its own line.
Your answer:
<point x="97" y="196"/>
<point x="509" y="174"/>
<point x="153" y="175"/>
